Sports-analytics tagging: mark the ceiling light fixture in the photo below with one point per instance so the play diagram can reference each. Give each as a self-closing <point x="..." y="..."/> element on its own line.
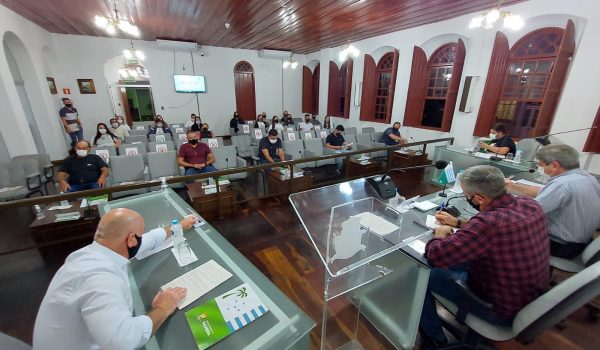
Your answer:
<point x="348" y="50"/>
<point x="133" y="54"/>
<point x="489" y="19"/>
<point x="111" y="24"/>
<point x="290" y="63"/>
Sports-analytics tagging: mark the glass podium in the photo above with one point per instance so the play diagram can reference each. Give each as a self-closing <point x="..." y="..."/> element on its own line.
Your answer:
<point x="285" y="326"/>
<point x="357" y="237"/>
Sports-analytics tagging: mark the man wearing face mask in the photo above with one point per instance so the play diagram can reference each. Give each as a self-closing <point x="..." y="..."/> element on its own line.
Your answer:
<point x="315" y="121"/>
<point x="391" y="136"/>
<point x="117" y="129"/>
<point x="502" y="143"/>
<point x="70" y="120"/>
<point x="570" y="199"/>
<point x="82" y="171"/>
<point x="194" y="156"/>
<point x="505" y="247"/>
<point x="306" y="125"/>
<point x="269" y="147"/>
<point x="159" y="127"/>
<point x="194" y="119"/>
<point x="89" y="305"/>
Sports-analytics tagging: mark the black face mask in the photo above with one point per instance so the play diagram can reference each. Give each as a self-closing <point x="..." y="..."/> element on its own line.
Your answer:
<point x="275" y="121"/>
<point x="69" y="105"/>
<point x="193" y="142"/>
<point x="132" y="251"/>
<point x="475" y="206"/>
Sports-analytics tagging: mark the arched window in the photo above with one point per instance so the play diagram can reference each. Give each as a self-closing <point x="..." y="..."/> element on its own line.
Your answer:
<point x="340" y="87"/>
<point x="245" y="98"/>
<point x="524" y="84"/>
<point x="434" y="86"/>
<point x="310" y="90"/>
<point x="379" y="82"/>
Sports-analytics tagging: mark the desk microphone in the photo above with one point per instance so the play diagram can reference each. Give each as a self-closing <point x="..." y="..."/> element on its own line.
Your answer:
<point x="544" y="141"/>
<point x="386" y="188"/>
<point x="452" y="210"/>
<point x="227" y="161"/>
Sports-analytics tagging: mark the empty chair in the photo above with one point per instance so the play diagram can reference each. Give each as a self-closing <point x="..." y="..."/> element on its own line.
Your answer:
<point x="351" y="130"/>
<point x="136" y="139"/>
<point x="134" y="132"/>
<point x="377" y="136"/>
<point x="126" y="169"/>
<point x="307" y="135"/>
<point x="314" y="148"/>
<point x="154" y="137"/>
<point x="160" y="146"/>
<point x="164" y="164"/>
<point x="368" y="130"/>
<point x="211" y="142"/>
<point x="8" y="342"/>
<point x="589" y="256"/>
<point x="178" y="130"/>
<point x="22" y="176"/>
<point x="528" y="147"/>
<point x="232" y="132"/>
<point x="45" y="167"/>
<point x="351" y="139"/>
<point x="294" y="150"/>
<point x="297" y="120"/>
<point x="128" y="150"/>
<point x="244" y="146"/>
<point x="365" y="141"/>
<point x="290" y="136"/>
<point x="226" y="158"/>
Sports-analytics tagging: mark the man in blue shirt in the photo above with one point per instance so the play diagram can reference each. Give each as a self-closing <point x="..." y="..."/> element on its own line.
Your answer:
<point x="70" y="120"/>
<point x="269" y="147"/>
<point x="391" y="136"/>
<point x="335" y="140"/>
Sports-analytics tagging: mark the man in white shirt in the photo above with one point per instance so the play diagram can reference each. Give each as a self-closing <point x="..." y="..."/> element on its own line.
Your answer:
<point x="119" y="131"/>
<point x="89" y="305"/>
<point x="306" y="125"/>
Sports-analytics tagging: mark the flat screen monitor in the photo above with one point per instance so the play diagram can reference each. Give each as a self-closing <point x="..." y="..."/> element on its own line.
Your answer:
<point x="189" y="83"/>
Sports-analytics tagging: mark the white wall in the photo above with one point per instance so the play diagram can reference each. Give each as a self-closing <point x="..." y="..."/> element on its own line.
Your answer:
<point x="581" y="94"/>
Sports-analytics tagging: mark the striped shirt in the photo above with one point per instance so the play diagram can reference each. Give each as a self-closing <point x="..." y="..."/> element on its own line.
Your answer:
<point x="571" y="202"/>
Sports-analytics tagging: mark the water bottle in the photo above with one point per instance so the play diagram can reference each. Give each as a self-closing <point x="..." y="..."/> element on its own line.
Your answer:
<point x="177" y="231"/>
<point x="163" y="184"/>
<point x="518" y="156"/>
<point x="39" y="214"/>
<point x="64" y="202"/>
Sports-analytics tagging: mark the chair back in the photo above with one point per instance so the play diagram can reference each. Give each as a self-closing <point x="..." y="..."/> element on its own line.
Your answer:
<point x="591" y="253"/>
<point x="136" y="139"/>
<point x="364" y="139"/>
<point x="557" y="303"/>
<point x="162" y="164"/>
<point x="127" y="168"/>
<point x="528" y="147"/>
<point x="213" y="142"/>
<point x="105" y="152"/>
<point x="314" y="145"/>
<point x="290" y="136"/>
<point x="160" y="146"/>
<point x="294" y="148"/>
<point x="155" y="137"/>
<point x="8" y="342"/>
<point x="351" y="130"/>
<point x="134" y="132"/>
<point x="43" y="160"/>
<point x="225" y="157"/>
<point x="178" y="143"/>
<point x="368" y="130"/>
<point x="377" y="136"/>
<point x="307" y="135"/>
<point x="242" y="142"/>
<point x="351" y="139"/>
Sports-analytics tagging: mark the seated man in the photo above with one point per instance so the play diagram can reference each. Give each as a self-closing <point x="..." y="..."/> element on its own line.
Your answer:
<point x="89" y="305"/>
<point x="315" y="121"/>
<point x="159" y="127"/>
<point x="306" y="125"/>
<point x="269" y="147"/>
<point x="501" y="143"/>
<point x="391" y="136"/>
<point x="571" y="200"/>
<point x="335" y="140"/>
<point x="194" y="156"/>
<point x="82" y="171"/>
<point x="503" y="250"/>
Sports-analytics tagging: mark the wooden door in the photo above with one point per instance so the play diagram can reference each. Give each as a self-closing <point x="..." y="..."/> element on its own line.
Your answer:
<point x="245" y="97"/>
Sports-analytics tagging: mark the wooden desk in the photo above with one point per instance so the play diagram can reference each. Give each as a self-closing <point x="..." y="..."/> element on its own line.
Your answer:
<point x="355" y="169"/>
<point x="211" y="205"/>
<point x="408" y="178"/>
<point x="75" y="233"/>
<point x="283" y="187"/>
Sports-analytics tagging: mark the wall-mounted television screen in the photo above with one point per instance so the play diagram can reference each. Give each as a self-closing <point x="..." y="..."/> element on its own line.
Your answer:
<point x="189" y="83"/>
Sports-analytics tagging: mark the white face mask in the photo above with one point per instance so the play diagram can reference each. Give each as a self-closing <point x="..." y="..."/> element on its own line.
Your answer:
<point x="541" y="171"/>
<point x="492" y="136"/>
<point x="159" y="125"/>
<point x="115" y="125"/>
<point x="81" y="152"/>
<point x="120" y="121"/>
<point x="273" y="141"/>
<point x="102" y="131"/>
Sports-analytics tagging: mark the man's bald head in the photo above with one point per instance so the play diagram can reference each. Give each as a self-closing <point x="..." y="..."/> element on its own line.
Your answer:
<point x="116" y="224"/>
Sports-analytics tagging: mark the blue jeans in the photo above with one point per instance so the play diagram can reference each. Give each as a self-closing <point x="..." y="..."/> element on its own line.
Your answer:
<point x="76" y="136"/>
<point x="83" y="187"/>
<point x="441" y="283"/>
<point x="194" y="171"/>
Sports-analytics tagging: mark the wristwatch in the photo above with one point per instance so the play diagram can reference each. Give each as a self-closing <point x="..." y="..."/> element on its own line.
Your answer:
<point x="458" y="223"/>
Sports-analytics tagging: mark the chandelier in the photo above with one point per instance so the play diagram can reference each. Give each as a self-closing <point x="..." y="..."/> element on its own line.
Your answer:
<point x="132" y="69"/>
<point x="488" y="20"/>
<point x="290" y="63"/>
<point x="133" y="54"/>
<point x="110" y="24"/>
<point x="348" y="50"/>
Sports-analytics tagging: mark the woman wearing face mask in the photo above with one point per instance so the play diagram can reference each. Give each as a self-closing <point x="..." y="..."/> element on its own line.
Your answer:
<point x="327" y="125"/>
<point x="502" y="143"/>
<point x="162" y="120"/>
<point x="205" y="133"/>
<point x="159" y="125"/>
<point x="236" y="121"/>
<point x="122" y="123"/>
<point x="275" y="124"/>
<point x="197" y="126"/>
<point x="117" y="129"/>
<point x="194" y="119"/>
<point x="261" y="122"/>
<point x="105" y="137"/>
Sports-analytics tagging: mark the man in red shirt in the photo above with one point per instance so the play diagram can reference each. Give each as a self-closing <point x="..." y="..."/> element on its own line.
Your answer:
<point x="195" y="157"/>
<point x="503" y="253"/>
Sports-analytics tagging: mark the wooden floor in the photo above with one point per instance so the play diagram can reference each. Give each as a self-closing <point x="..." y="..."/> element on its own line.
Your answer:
<point x="272" y="238"/>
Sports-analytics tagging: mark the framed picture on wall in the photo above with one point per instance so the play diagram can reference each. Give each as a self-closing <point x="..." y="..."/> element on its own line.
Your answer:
<point x="86" y="86"/>
<point x="52" y="85"/>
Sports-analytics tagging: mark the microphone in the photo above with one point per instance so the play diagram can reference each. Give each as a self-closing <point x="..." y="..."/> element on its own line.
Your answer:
<point x="452" y="210"/>
<point x="413" y="140"/>
<point x="544" y="141"/>
<point x="227" y="161"/>
<point x="495" y="156"/>
<point x="386" y="189"/>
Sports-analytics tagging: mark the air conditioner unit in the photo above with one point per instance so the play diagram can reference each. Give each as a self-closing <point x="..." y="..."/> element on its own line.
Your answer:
<point x="277" y="54"/>
<point x="172" y="45"/>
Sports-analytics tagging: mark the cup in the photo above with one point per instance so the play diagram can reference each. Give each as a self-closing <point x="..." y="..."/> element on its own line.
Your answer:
<point x="184" y="252"/>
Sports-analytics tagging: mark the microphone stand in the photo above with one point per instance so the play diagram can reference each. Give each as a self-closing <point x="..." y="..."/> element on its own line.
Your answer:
<point x="544" y="141"/>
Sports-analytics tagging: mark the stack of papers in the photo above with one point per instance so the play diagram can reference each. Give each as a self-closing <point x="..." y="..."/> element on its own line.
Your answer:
<point x="424" y="205"/>
<point x="67" y="216"/>
<point x="376" y="224"/>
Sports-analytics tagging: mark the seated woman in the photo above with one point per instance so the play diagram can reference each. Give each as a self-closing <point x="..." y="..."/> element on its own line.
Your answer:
<point x="260" y="122"/>
<point x="159" y="125"/>
<point x="205" y="133"/>
<point x="502" y="143"/>
<point x="197" y="126"/>
<point x="104" y="137"/>
<point x="194" y="119"/>
<point x="122" y="123"/>
<point x="275" y="124"/>
<point x="327" y="125"/>
<point x="288" y="121"/>
<point x="159" y="117"/>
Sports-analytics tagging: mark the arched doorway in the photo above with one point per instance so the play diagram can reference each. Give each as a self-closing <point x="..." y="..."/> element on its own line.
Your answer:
<point x="245" y="97"/>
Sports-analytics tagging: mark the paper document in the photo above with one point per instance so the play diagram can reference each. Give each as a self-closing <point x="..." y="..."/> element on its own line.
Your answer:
<point x="424" y="205"/>
<point x="529" y="183"/>
<point x="431" y="222"/>
<point x="67" y="216"/>
<point x="167" y="243"/>
<point x="192" y="258"/>
<point x="60" y="207"/>
<point x="376" y="224"/>
<point x="418" y="246"/>
<point x="199" y="281"/>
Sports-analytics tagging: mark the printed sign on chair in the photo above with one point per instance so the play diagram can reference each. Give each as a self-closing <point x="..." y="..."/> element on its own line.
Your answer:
<point x="179" y="131"/>
<point x="290" y="130"/>
<point x="103" y="153"/>
<point x="161" y="147"/>
<point x="182" y="137"/>
<point x="291" y="136"/>
<point x="246" y="128"/>
<point x="308" y="136"/>
<point x="159" y="131"/>
<point x="323" y="134"/>
<point x="131" y="151"/>
<point x="212" y="143"/>
<point x="258" y="134"/>
<point x="139" y="128"/>
<point x="160" y="138"/>
<point x="317" y="128"/>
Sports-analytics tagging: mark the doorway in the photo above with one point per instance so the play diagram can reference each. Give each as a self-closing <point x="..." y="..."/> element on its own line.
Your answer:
<point x="138" y="103"/>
